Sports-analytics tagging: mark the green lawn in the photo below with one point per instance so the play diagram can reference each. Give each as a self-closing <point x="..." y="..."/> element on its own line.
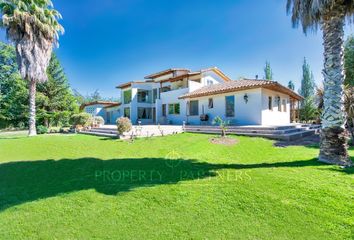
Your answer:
<point x="175" y="187"/>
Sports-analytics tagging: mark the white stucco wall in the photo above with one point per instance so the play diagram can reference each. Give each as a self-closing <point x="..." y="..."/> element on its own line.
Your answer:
<point x="171" y="97"/>
<point x="274" y="117"/>
<point x="245" y="113"/>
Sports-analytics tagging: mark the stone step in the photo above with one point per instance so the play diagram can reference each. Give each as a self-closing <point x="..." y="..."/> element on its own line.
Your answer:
<point x="284" y="137"/>
<point x="231" y="130"/>
<point x="99" y="134"/>
<point x="251" y="128"/>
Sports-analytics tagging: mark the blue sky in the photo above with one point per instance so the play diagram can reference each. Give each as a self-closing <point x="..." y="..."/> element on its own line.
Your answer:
<point x="108" y="42"/>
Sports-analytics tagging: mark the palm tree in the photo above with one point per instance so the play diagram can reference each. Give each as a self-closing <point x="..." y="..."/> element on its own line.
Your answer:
<point x="32" y="25"/>
<point x="330" y="15"/>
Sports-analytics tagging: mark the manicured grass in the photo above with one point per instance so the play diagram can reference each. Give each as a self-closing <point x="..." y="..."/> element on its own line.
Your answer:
<point x="175" y="187"/>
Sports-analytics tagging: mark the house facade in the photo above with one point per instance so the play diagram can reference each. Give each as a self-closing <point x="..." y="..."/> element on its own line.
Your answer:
<point x="177" y="96"/>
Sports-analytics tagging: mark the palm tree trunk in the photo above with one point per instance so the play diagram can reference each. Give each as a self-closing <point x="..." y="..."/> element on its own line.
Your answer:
<point x="334" y="137"/>
<point x="32" y="108"/>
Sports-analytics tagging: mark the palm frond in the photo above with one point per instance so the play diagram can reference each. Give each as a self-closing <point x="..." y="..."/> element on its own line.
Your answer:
<point x="309" y="13"/>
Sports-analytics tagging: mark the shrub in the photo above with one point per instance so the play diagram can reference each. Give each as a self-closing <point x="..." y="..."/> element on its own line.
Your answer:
<point x="42" y="129"/>
<point x="65" y="130"/>
<point x="21" y="125"/>
<point x="98" y="120"/>
<point x="54" y="130"/>
<point x="123" y="125"/>
<point x="83" y="119"/>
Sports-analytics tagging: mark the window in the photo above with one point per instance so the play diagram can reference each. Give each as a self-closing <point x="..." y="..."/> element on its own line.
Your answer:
<point x="145" y="113"/>
<point x="127" y="96"/>
<point x="210" y="103"/>
<point x="194" y="108"/>
<point x="284" y="105"/>
<point x="154" y="95"/>
<point x="127" y="112"/>
<point x="144" y="96"/>
<point x="164" y="110"/>
<point x="166" y="89"/>
<point x="174" y="108"/>
<point x="279" y="104"/>
<point x="210" y="82"/>
<point x="270" y="103"/>
<point x="230" y="106"/>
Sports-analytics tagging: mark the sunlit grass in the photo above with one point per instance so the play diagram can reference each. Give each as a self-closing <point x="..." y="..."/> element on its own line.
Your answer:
<point x="182" y="186"/>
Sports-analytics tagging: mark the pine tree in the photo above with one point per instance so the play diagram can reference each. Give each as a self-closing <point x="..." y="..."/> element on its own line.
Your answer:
<point x="268" y="73"/>
<point x="55" y="100"/>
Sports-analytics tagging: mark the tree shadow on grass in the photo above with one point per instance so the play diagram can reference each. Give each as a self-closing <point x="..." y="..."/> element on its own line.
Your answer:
<point x="22" y="182"/>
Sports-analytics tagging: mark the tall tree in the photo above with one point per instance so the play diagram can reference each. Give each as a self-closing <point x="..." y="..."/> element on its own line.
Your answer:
<point x="33" y="26"/>
<point x="268" y="72"/>
<point x="291" y="85"/>
<point x="307" y="81"/>
<point x="330" y="15"/>
<point x="349" y="61"/>
<point x="55" y="101"/>
<point x="13" y="90"/>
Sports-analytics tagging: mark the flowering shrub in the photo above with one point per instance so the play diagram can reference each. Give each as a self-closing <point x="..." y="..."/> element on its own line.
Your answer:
<point x="123" y="125"/>
<point x="98" y="120"/>
<point x="82" y="119"/>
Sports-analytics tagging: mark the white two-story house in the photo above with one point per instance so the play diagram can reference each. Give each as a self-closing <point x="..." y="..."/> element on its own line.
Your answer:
<point x="177" y="96"/>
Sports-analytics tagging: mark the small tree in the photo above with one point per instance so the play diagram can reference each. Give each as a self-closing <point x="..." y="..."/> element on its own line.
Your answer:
<point x="123" y="125"/>
<point x="223" y="125"/>
<point x="268" y="72"/>
<point x="291" y="85"/>
<point x="308" y="111"/>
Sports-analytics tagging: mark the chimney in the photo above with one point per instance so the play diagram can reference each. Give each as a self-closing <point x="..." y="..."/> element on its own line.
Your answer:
<point x="257" y="77"/>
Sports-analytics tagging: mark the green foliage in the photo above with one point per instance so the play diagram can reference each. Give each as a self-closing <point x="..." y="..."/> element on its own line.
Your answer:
<point x="123" y="125"/>
<point x="291" y="85"/>
<point x="42" y="129"/>
<point x="349" y="61"/>
<point x="307" y="82"/>
<point x="93" y="97"/>
<point x="55" y="100"/>
<point x="308" y="110"/>
<point x="268" y="72"/>
<point x="39" y="13"/>
<point x="54" y="129"/>
<point x="13" y="90"/>
<point x="82" y="119"/>
<point x="222" y="124"/>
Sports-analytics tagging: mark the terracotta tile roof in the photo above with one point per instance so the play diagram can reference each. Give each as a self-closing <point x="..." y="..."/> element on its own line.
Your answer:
<point x="113" y="105"/>
<point x="238" y="85"/>
<point x="95" y="103"/>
